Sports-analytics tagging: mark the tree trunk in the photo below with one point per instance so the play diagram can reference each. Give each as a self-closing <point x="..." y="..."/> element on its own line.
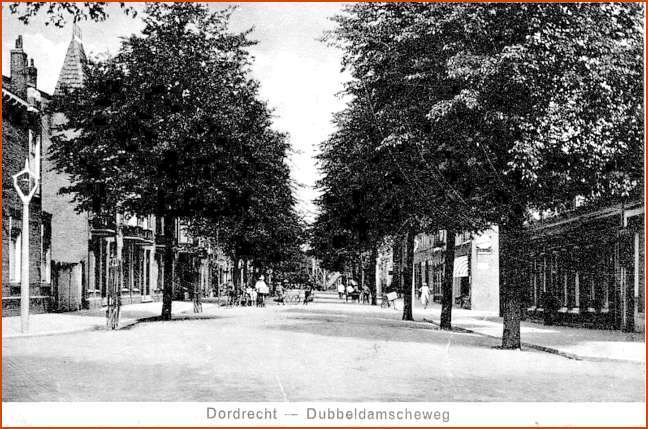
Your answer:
<point x="448" y="279"/>
<point x="397" y="264"/>
<point x="511" y="240"/>
<point x="236" y="274"/>
<point x="372" y="275"/>
<point x="362" y="272"/>
<point x="169" y="269"/>
<point x="407" y="276"/>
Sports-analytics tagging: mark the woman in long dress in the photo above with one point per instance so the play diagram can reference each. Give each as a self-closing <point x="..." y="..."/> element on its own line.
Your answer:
<point x="425" y="295"/>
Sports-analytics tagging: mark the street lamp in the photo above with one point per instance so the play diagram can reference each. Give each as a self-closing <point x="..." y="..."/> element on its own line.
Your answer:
<point x="27" y="177"/>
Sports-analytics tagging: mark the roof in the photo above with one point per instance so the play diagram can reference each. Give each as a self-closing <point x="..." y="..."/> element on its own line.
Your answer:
<point x="586" y="215"/>
<point x="6" y="85"/>
<point x="72" y="72"/>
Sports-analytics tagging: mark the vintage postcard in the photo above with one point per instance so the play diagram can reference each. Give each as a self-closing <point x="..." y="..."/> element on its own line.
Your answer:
<point x="323" y="214"/>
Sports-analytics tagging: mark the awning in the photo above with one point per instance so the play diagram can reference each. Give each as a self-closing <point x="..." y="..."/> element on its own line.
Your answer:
<point x="461" y="266"/>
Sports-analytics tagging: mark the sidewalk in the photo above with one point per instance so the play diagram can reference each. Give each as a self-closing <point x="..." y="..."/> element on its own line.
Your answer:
<point x="575" y="343"/>
<point x="88" y="320"/>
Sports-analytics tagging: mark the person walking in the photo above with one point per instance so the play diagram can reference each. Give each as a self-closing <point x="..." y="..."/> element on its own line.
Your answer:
<point x="251" y="296"/>
<point x="349" y="290"/>
<point x="308" y="294"/>
<point x="340" y="289"/>
<point x="279" y="292"/>
<point x="425" y="295"/>
<point x="366" y="295"/>
<point x="231" y="293"/>
<point x="262" y="290"/>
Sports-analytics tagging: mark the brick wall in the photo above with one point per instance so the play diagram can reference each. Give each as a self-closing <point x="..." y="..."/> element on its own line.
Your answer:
<point x="69" y="229"/>
<point x="14" y="153"/>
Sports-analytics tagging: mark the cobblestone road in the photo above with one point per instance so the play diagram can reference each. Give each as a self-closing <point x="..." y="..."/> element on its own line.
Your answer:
<point x="331" y="352"/>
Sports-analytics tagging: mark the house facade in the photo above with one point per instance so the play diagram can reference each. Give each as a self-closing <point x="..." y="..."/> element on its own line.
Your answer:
<point x="73" y="256"/>
<point x="475" y="271"/>
<point x="24" y="130"/>
<point x="588" y="268"/>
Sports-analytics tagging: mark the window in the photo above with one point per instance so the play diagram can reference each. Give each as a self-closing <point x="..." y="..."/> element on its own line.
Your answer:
<point x="183" y="235"/>
<point x="131" y="220"/>
<point x="462" y="237"/>
<point x="533" y="279"/>
<point x="34" y="153"/>
<point x="46" y="259"/>
<point x="15" y="258"/>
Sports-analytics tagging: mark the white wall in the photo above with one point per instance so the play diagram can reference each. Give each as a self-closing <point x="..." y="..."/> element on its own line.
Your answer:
<point x="485" y="271"/>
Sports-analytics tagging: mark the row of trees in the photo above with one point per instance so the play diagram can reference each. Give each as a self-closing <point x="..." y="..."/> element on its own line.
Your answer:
<point x="461" y="116"/>
<point x="173" y="126"/>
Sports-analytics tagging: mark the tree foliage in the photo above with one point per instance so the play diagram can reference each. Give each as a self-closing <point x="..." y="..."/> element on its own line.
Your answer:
<point x="59" y="12"/>
<point x="482" y="113"/>
<point x="173" y="126"/>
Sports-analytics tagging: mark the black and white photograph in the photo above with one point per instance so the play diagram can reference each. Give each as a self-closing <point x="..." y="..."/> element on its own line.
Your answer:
<point x="323" y="214"/>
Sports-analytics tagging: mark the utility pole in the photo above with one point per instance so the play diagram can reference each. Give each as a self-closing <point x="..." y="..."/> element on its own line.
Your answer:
<point x="27" y="177"/>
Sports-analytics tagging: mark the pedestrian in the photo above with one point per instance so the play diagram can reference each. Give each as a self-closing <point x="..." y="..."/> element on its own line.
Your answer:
<point x="340" y="289"/>
<point x="425" y="295"/>
<point x="355" y="295"/>
<point x="261" y="289"/>
<point x="251" y="296"/>
<point x="366" y="295"/>
<point x="308" y="294"/>
<point x="279" y="295"/>
<point x="349" y="291"/>
<point x="231" y="293"/>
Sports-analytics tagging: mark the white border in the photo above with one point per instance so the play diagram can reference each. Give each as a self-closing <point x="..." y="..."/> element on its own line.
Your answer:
<point x="159" y="414"/>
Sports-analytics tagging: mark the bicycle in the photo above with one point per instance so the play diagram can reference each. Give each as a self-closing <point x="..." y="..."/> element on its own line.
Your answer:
<point x="293" y="299"/>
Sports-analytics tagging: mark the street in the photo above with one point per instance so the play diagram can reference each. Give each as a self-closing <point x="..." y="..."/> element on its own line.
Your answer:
<point x="326" y="351"/>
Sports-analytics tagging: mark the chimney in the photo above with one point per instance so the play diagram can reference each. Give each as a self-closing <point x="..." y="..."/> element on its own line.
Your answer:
<point x="32" y="74"/>
<point x="19" y="69"/>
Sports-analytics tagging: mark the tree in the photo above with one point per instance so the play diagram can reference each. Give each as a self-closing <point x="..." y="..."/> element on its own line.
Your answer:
<point x="507" y="108"/>
<point x="58" y="12"/>
<point x="264" y="226"/>
<point x="423" y="185"/>
<point x="157" y="128"/>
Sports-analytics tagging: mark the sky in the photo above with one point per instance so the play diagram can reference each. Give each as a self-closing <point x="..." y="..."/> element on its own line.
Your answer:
<point x="300" y="76"/>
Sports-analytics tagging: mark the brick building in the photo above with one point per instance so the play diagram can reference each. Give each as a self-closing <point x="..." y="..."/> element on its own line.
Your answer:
<point x="70" y="229"/>
<point x="588" y="267"/>
<point x="71" y="252"/>
<point x="24" y="131"/>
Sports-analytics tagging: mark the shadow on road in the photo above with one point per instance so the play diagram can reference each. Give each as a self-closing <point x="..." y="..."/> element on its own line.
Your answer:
<point x="371" y="328"/>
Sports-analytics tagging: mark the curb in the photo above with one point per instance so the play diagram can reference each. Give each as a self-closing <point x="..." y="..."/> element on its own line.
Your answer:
<point x="124" y="324"/>
<point x="545" y="349"/>
<point x="50" y="333"/>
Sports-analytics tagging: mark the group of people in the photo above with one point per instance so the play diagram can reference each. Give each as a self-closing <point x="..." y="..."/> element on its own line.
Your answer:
<point x="249" y="296"/>
<point x="353" y="292"/>
<point x="257" y="295"/>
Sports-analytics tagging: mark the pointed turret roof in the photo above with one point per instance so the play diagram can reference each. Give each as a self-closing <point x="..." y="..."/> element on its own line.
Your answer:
<point x="72" y="72"/>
